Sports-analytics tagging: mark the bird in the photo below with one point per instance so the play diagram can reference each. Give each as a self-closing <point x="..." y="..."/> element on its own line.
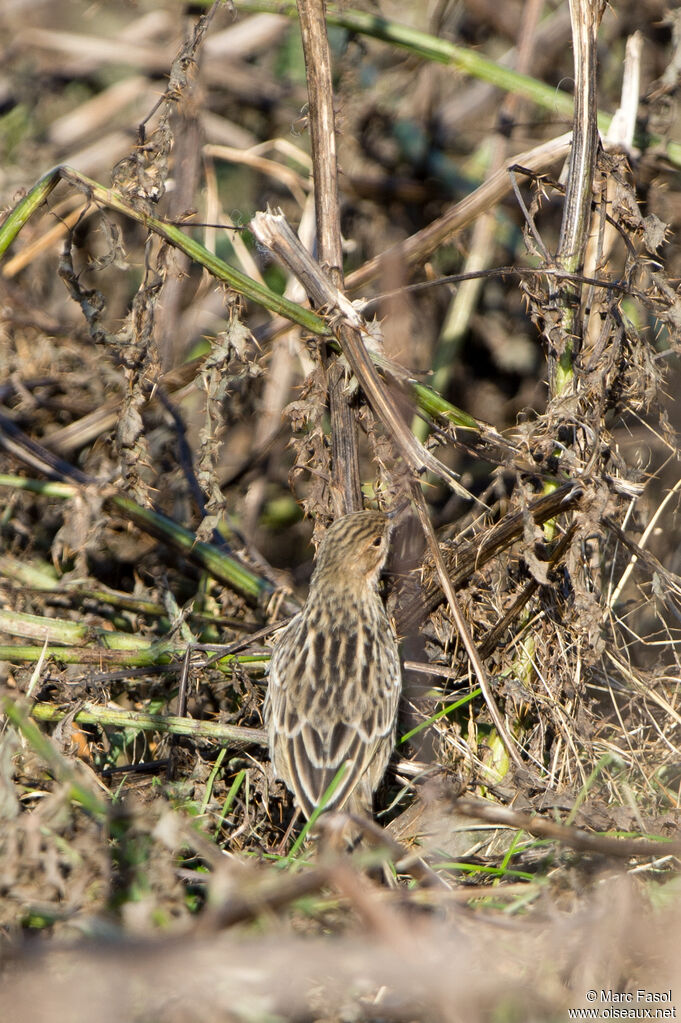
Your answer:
<point x="335" y="678"/>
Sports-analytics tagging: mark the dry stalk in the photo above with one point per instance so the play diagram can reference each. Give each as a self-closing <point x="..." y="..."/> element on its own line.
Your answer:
<point x="416" y="249"/>
<point x="462" y="626"/>
<point x="574" y="838"/>
<point x="346" y="487"/>
<point x="273" y="231"/>
<point x="481" y="247"/>
<point x="465" y="558"/>
<point x="574" y="234"/>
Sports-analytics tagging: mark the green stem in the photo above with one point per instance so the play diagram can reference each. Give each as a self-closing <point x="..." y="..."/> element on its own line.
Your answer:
<point x="470" y="62"/>
<point x="250" y="289"/>
<point x="218" y="564"/>
<point x="195" y="250"/>
<point x="48" y="488"/>
<point x="60" y="767"/>
<point x="56" y="630"/>
<point x="168" y="723"/>
<point x="148" y="657"/>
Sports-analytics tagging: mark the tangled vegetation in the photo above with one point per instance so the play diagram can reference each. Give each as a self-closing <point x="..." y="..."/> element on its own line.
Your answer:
<point x="484" y="341"/>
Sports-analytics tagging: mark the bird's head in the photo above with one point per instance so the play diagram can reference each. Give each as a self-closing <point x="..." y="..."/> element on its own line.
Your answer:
<point x="354" y="550"/>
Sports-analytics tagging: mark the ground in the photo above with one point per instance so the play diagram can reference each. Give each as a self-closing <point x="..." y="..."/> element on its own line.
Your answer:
<point x="175" y="437"/>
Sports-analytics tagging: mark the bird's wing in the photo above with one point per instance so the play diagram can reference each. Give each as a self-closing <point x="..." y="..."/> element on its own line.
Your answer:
<point x="325" y="712"/>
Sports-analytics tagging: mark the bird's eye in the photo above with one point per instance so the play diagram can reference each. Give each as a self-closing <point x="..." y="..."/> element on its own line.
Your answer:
<point x="377" y="542"/>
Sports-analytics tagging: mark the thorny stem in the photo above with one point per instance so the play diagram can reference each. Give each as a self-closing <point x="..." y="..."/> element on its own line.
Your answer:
<point x="425" y="398"/>
<point x="210" y="557"/>
<point x="463" y="629"/>
<point x="564" y="337"/>
<point x="346" y="482"/>
<point x="273" y="231"/>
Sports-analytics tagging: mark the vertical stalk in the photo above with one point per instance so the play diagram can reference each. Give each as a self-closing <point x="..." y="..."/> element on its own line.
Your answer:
<point x="564" y="337"/>
<point x="346" y="484"/>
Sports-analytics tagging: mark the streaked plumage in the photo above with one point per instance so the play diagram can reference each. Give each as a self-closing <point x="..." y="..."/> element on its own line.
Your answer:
<point x="334" y="682"/>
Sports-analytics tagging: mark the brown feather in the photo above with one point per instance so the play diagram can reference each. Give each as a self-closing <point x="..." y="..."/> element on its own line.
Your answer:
<point x="335" y="679"/>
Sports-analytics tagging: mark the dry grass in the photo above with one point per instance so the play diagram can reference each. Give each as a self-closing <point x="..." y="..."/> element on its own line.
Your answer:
<point x="185" y="415"/>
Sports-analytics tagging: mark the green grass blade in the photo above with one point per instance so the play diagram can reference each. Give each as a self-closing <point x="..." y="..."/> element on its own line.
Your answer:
<point x="318" y="810"/>
<point x="59" y="766"/>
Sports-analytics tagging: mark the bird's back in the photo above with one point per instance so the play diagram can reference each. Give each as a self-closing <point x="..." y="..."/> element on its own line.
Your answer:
<point x="332" y="700"/>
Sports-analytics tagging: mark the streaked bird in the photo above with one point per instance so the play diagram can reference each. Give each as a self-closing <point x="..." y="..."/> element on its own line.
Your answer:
<point x="335" y="680"/>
